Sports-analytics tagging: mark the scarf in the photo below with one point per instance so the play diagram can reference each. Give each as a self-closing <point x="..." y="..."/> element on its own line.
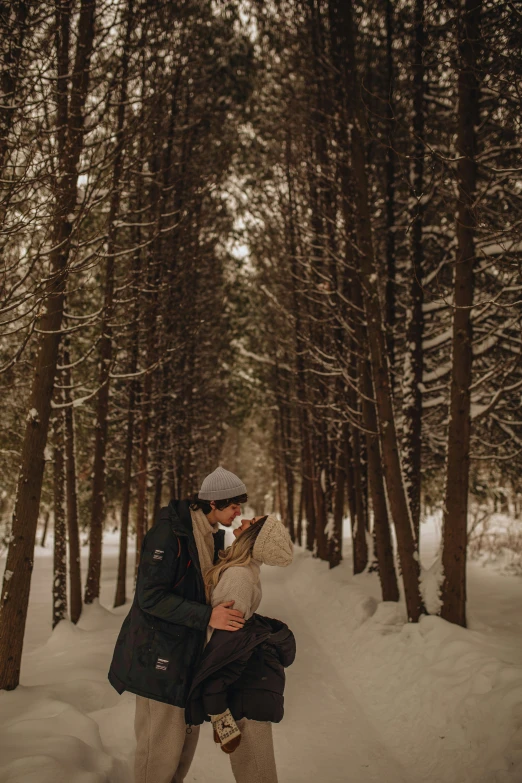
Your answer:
<point x="203" y="533"/>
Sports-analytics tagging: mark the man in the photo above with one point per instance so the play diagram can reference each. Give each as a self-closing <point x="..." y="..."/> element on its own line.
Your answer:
<point x="162" y="637"/>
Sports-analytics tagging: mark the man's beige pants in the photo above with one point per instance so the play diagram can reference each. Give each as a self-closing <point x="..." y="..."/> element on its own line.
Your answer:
<point x="254" y="761"/>
<point x="164" y="750"/>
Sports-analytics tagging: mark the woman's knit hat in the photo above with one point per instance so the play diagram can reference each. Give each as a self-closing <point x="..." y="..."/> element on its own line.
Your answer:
<point x="221" y="484"/>
<point x="273" y="545"/>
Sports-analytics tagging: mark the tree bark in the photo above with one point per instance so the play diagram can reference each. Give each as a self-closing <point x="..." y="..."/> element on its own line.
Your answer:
<point x="158" y="482"/>
<point x="457" y="475"/>
<point x="159" y="195"/>
<point x="321" y="517"/>
<point x="412" y="377"/>
<point x="60" y="542"/>
<point x="70" y="129"/>
<point x="92" y="588"/>
<point x="300" y="516"/>
<point x="390" y="190"/>
<point x="75" y="579"/>
<point x="376" y="332"/>
<point x="44" y="531"/>
<point x="359" y="543"/>
<point x="361" y="369"/>
<point x="336" y="537"/>
<point x="121" y="579"/>
<point x="13" y="19"/>
<point x="143" y="461"/>
<point x="285" y="433"/>
<point x="381" y="523"/>
<point x="160" y="435"/>
<point x="350" y="482"/>
<point x="307" y="469"/>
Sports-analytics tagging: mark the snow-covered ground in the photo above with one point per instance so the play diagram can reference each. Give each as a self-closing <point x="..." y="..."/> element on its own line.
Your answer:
<point x="369" y="698"/>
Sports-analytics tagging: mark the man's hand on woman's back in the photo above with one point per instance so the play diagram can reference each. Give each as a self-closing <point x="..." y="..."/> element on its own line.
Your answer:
<point x="224" y="618"/>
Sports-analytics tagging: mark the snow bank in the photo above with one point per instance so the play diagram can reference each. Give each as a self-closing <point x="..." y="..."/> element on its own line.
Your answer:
<point x="65" y="722"/>
<point x="446" y="700"/>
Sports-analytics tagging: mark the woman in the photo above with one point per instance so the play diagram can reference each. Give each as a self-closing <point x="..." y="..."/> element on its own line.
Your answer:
<point x="240" y="681"/>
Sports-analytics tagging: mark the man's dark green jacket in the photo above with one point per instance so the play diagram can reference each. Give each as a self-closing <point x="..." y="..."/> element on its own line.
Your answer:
<point x="162" y="638"/>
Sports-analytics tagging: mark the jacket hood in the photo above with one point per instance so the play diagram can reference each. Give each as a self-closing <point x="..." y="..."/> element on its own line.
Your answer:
<point x="178" y="514"/>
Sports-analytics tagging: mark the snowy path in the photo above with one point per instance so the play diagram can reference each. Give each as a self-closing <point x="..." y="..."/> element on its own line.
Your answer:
<point x="369" y="697"/>
<point x="324" y="736"/>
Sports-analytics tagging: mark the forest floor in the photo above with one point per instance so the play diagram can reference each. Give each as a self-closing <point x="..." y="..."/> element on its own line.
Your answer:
<point x="369" y="698"/>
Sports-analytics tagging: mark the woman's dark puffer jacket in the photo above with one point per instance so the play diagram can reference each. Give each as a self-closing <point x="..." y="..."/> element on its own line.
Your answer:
<point x="244" y="671"/>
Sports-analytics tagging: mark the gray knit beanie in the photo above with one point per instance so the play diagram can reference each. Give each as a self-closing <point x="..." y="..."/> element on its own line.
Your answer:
<point x="273" y="545"/>
<point x="221" y="485"/>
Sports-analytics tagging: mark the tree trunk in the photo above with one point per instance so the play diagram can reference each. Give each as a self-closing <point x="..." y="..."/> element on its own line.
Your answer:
<point x="311" y="524"/>
<point x="70" y="128"/>
<point x="121" y="579"/>
<point x="158" y="488"/>
<point x="300" y="516"/>
<point x="60" y="542"/>
<point x="92" y="588"/>
<point x="44" y="531"/>
<point x="285" y="429"/>
<point x="143" y="463"/>
<point x="307" y="472"/>
<point x="390" y="189"/>
<point x="381" y="523"/>
<point x="457" y="476"/>
<point x="350" y="483"/>
<point x="159" y="442"/>
<point x="412" y="377"/>
<point x="159" y="195"/>
<point x="321" y="517"/>
<point x="359" y="543"/>
<point x="75" y="579"/>
<point x="396" y="492"/>
<point x="383" y="549"/>
<point x="336" y="537"/>
<point x="13" y="29"/>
